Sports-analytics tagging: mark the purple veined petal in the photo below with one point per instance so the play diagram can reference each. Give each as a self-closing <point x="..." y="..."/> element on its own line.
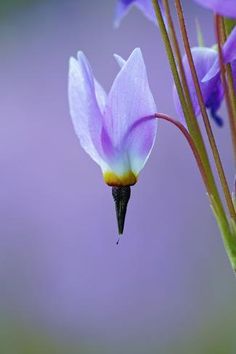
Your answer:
<point x="212" y="90"/>
<point x="129" y="100"/>
<point x="101" y="96"/>
<point x="139" y="142"/>
<point x="100" y="93"/>
<point x="223" y="7"/>
<point x="84" y="108"/>
<point x="146" y="6"/>
<point x="125" y="166"/>
<point x="229" y="55"/>
<point x="122" y="9"/>
<point x="229" y="47"/>
<point x="139" y="124"/>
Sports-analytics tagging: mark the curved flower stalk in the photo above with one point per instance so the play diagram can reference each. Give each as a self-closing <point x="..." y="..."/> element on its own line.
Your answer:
<point x="212" y="90"/>
<point x="110" y="127"/>
<point x="123" y="7"/>
<point x="223" y="7"/>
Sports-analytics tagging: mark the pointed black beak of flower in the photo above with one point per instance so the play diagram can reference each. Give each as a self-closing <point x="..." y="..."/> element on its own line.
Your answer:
<point x="121" y="197"/>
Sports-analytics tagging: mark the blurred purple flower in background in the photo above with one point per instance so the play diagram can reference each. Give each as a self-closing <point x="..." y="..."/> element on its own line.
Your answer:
<point x="212" y="89"/>
<point x="229" y="56"/>
<point x="223" y="7"/>
<point x="123" y="6"/>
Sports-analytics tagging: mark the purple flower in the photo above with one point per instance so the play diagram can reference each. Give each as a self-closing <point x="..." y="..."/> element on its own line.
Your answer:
<point x="112" y="128"/>
<point x="146" y="6"/>
<point x="117" y="130"/>
<point x="212" y="90"/>
<point x="223" y="7"/>
<point x="229" y="56"/>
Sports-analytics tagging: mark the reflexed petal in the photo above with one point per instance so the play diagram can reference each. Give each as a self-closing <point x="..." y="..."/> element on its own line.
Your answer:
<point x="139" y="142"/>
<point x="229" y="55"/>
<point x="223" y="7"/>
<point x="229" y="48"/>
<point x="84" y="109"/>
<point x="123" y="6"/>
<point x="212" y="90"/>
<point x="129" y="100"/>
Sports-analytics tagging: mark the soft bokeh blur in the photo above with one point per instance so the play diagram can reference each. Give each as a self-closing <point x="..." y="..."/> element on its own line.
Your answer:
<point x="65" y="286"/>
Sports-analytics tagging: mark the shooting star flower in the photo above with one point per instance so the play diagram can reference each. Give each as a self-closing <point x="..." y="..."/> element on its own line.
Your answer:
<point x="112" y="128"/>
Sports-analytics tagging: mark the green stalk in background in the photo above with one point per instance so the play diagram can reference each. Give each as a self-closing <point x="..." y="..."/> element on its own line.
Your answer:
<point x="227" y="231"/>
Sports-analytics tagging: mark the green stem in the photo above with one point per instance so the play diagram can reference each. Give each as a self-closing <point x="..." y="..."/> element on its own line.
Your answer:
<point x="228" y="85"/>
<point x="198" y="148"/>
<point x="170" y="57"/>
<point x="191" y="121"/>
<point x="228" y="232"/>
<point x="228" y="25"/>
<point x="189" y="117"/>
<point x="175" y="43"/>
<point x="210" y="135"/>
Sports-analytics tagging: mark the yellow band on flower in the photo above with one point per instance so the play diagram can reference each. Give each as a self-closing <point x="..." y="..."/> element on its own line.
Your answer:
<point x="127" y="179"/>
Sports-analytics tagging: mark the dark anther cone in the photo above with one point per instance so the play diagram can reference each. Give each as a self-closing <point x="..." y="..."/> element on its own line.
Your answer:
<point x="121" y="197"/>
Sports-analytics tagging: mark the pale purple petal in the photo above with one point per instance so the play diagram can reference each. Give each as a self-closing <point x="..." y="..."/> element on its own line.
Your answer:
<point x="122" y="9"/>
<point x="223" y="7"/>
<point x="84" y="109"/>
<point x="100" y="93"/>
<point x="146" y="6"/>
<point x="229" y="55"/>
<point x="129" y="100"/>
<point x="229" y="48"/>
<point x="139" y="142"/>
<point x="101" y="96"/>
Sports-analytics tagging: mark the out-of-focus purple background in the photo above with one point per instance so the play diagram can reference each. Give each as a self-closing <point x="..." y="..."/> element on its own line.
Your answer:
<point x="65" y="287"/>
